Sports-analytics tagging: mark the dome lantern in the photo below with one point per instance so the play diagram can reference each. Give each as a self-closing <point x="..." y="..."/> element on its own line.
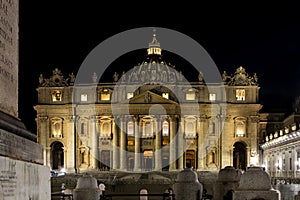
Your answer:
<point x="154" y="46"/>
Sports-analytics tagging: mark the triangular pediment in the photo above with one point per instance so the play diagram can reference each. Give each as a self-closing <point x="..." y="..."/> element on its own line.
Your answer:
<point x="151" y="98"/>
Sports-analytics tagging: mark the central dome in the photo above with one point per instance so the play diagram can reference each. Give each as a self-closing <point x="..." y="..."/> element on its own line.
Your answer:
<point x="154" y="69"/>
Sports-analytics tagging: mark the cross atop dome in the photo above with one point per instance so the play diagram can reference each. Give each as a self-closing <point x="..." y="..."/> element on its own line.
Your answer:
<point x="154" y="46"/>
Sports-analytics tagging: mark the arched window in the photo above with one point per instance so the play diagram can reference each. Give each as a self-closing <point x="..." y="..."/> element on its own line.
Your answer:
<point x="130" y="130"/>
<point x="106" y="128"/>
<point x="165" y="128"/>
<point x="240" y="127"/>
<point x="147" y="127"/>
<point x="56" y="128"/>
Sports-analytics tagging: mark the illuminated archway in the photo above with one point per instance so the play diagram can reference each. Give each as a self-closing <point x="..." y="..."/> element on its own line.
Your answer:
<point x="57" y="156"/>
<point x="239" y="156"/>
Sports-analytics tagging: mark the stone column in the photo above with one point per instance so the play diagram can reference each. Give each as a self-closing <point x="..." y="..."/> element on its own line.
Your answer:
<point x="115" y="148"/>
<point x="94" y="142"/>
<point x="70" y="164"/>
<point x="137" y="146"/>
<point x="221" y="160"/>
<point x="248" y="155"/>
<point x="48" y="157"/>
<point x="123" y="153"/>
<point x="43" y="127"/>
<point x="181" y="145"/>
<point x="200" y="148"/>
<point x="158" y="132"/>
<point x="172" y="143"/>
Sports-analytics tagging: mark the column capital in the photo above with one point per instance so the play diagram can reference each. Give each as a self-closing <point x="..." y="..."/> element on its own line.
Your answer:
<point x="173" y="118"/>
<point x="43" y="118"/>
<point x="71" y="118"/>
<point x="93" y="117"/>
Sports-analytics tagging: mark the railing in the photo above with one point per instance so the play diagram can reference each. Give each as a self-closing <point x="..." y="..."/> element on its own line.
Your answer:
<point x="61" y="196"/>
<point x="165" y="196"/>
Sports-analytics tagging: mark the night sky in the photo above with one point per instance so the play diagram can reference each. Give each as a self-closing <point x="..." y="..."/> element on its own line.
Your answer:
<point x="62" y="34"/>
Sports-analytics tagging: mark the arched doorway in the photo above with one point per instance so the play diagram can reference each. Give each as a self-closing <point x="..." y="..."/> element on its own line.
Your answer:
<point x="239" y="156"/>
<point x="57" y="154"/>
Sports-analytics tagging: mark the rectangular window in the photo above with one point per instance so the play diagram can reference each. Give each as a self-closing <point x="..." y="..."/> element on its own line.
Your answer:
<point x="56" y="95"/>
<point x="165" y="95"/>
<point x="165" y="128"/>
<point x="130" y="131"/>
<point x="105" y="96"/>
<point x="83" y="97"/>
<point x="212" y="97"/>
<point x="190" y="96"/>
<point x="129" y="95"/>
<point x="240" y="95"/>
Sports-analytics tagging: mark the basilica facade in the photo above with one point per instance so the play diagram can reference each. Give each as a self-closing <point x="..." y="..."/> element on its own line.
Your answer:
<point x="149" y="118"/>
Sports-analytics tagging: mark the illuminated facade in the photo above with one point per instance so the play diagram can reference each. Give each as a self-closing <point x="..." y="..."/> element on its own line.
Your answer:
<point x="281" y="143"/>
<point x="153" y="122"/>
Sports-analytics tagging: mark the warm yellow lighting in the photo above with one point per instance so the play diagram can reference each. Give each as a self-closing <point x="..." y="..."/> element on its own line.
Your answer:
<point x="212" y="97"/>
<point x="148" y="153"/>
<point x="190" y="96"/>
<point x="83" y="97"/>
<point x="105" y="97"/>
<point x="156" y="51"/>
<point x="286" y="130"/>
<point x="240" y="133"/>
<point x="281" y="132"/>
<point x="165" y="95"/>
<point x="240" y="95"/>
<point x="129" y="95"/>
<point x="56" y="95"/>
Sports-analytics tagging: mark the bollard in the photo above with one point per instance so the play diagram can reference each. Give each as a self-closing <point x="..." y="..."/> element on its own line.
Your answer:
<point x="86" y="188"/>
<point x="187" y="186"/>
<point x="255" y="184"/>
<point x="227" y="182"/>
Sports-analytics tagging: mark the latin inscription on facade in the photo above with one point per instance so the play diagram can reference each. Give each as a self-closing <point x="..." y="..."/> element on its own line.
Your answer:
<point x="9" y="56"/>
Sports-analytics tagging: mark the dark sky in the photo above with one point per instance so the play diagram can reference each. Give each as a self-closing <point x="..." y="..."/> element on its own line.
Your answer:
<point x="62" y="34"/>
